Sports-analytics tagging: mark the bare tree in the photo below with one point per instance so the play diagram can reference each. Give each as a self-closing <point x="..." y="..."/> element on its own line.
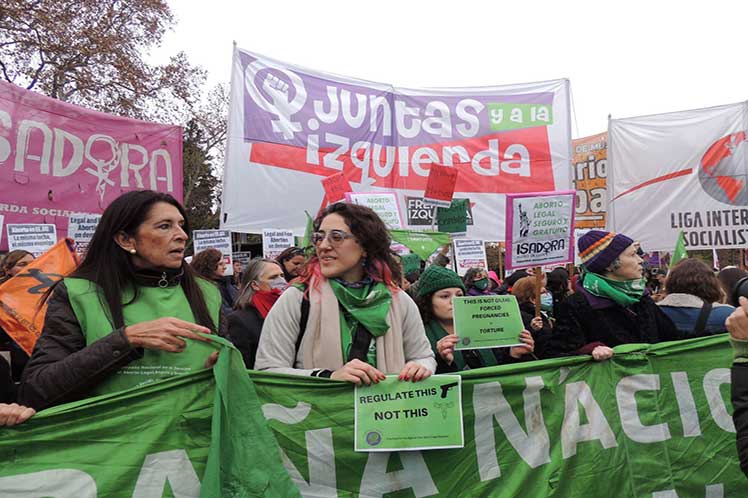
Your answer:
<point x="91" y="52"/>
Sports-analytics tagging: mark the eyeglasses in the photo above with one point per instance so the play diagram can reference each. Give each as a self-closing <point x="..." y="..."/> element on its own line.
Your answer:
<point x="334" y="237"/>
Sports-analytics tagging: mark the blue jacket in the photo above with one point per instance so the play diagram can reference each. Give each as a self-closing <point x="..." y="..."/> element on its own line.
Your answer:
<point x="684" y="309"/>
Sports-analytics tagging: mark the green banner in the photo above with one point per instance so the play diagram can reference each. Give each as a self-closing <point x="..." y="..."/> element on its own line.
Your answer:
<point x="487" y="322"/>
<point x="395" y="415"/>
<point x="652" y="422"/>
<point x="422" y="243"/>
<point x="454" y="218"/>
<point x="515" y="116"/>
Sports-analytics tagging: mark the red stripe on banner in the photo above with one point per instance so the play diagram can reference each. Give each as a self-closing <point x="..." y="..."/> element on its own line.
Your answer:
<point x="511" y="161"/>
<point x="670" y="176"/>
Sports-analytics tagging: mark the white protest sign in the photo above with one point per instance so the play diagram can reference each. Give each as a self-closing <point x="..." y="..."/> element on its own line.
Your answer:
<point x="2" y="220"/>
<point x="539" y="229"/>
<point x="275" y="241"/>
<point x="469" y="253"/>
<point x="31" y="237"/>
<point x="216" y="239"/>
<point x="81" y="228"/>
<point x="383" y="203"/>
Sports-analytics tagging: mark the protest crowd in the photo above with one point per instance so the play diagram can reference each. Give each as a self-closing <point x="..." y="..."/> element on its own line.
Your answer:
<point x="343" y="311"/>
<point x="362" y="298"/>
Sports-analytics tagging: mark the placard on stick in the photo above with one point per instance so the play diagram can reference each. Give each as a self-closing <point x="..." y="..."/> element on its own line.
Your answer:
<point x="440" y="186"/>
<point x="336" y="186"/>
<point x="487" y="322"/>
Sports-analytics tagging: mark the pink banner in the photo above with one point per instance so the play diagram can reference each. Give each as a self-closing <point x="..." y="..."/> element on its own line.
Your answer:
<point x="58" y="159"/>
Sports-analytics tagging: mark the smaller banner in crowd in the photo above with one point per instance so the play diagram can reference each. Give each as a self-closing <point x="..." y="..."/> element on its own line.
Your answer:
<point x="81" y="228"/>
<point x="215" y="239"/>
<point x="394" y="415"/>
<point x="539" y="229"/>
<point x="242" y="257"/>
<point x="589" y="175"/>
<point x="680" y="171"/>
<point x="487" y="322"/>
<point x="422" y="243"/>
<point x="275" y="241"/>
<point x="336" y="186"/>
<point x="383" y="203"/>
<point x="34" y="238"/>
<point x="20" y="315"/>
<point x="454" y="218"/>
<point x="469" y="253"/>
<point x="440" y="186"/>
<point x="421" y="214"/>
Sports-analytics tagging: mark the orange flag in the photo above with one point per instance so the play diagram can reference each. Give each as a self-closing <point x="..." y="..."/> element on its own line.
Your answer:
<point x="20" y="296"/>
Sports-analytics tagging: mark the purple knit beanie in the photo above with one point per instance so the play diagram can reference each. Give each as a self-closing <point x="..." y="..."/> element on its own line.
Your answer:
<point x="598" y="249"/>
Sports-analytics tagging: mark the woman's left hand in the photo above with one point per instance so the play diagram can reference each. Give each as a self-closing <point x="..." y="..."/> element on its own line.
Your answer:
<point x="527" y="348"/>
<point x="14" y="414"/>
<point x="414" y="371"/>
<point x="536" y="323"/>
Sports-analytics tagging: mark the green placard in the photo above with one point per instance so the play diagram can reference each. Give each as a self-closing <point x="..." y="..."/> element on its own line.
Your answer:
<point x="395" y="415"/>
<point x="512" y="116"/>
<point x="454" y="218"/>
<point x="487" y="322"/>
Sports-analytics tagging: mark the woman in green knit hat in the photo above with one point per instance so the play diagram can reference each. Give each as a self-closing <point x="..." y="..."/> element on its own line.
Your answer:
<point x="436" y="289"/>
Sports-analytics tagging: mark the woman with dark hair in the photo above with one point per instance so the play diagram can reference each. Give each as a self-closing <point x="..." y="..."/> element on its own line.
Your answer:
<point x="610" y="306"/>
<point x="728" y="277"/>
<point x="210" y="265"/>
<point x="476" y="282"/>
<point x="291" y="260"/>
<point x="437" y="288"/>
<point x="262" y="285"/>
<point x="557" y="284"/>
<point x="12" y="263"/>
<point x="129" y="314"/>
<point x="692" y="299"/>
<point x="346" y="318"/>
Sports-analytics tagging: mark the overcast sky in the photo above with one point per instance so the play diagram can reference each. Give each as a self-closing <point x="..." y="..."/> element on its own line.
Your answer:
<point x="636" y="59"/>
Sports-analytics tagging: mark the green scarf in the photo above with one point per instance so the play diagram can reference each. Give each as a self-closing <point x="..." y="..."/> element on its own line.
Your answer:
<point x="624" y="293"/>
<point x="367" y="305"/>
<point x="434" y="331"/>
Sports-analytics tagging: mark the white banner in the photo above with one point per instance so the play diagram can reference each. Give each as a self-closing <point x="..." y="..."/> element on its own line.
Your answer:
<point x="215" y="239"/>
<point x="81" y="228"/>
<point x="680" y="171"/>
<point x="31" y="237"/>
<point x="469" y="253"/>
<point x="289" y="127"/>
<point x="275" y="242"/>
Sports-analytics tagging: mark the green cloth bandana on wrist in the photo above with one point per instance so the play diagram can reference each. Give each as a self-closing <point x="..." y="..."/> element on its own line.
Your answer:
<point x="624" y="293"/>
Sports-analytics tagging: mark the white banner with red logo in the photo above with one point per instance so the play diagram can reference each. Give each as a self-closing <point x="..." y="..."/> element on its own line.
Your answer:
<point x="289" y="127"/>
<point x="680" y="171"/>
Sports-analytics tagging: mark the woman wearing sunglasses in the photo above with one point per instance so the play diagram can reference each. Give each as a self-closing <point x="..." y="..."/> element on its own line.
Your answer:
<point x="346" y="319"/>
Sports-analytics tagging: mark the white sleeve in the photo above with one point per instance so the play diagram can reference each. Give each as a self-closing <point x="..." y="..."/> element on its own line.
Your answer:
<point x="277" y="349"/>
<point x="415" y="343"/>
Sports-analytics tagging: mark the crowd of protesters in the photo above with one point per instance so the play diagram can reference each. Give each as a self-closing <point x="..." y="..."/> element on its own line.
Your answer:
<point x="340" y="309"/>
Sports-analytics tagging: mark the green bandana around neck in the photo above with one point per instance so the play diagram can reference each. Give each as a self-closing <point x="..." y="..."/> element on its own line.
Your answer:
<point x="367" y="305"/>
<point x="625" y="292"/>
